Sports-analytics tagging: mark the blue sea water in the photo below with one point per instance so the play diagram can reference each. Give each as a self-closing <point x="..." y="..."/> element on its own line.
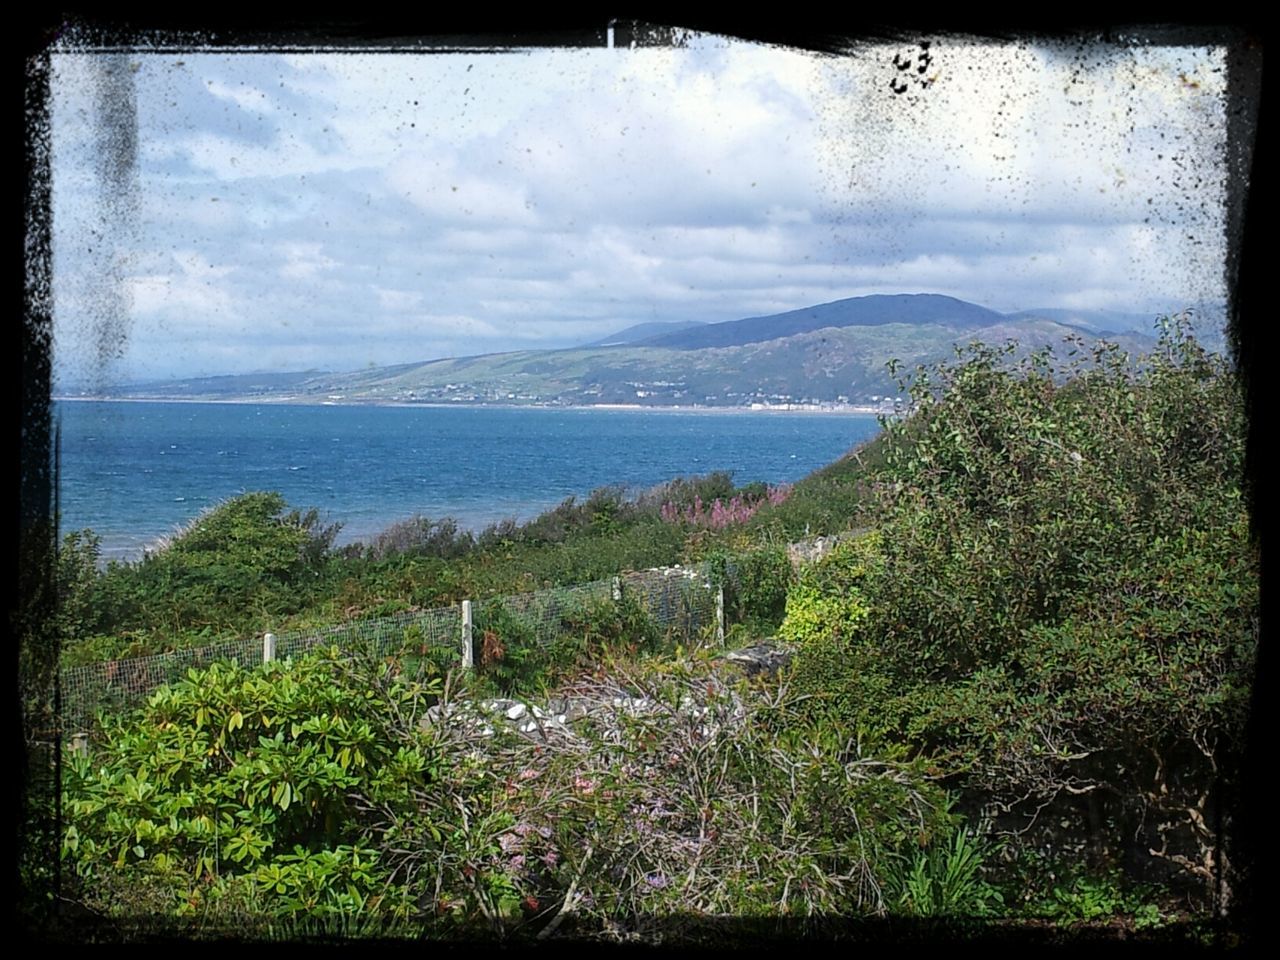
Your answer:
<point x="135" y="471"/>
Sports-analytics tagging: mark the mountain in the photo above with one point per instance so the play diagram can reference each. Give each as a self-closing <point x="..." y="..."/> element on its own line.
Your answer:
<point x="911" y="309"/>
<point x="844" y="361"/>
<point x="644" y="331"/>
<point x="1207" y="322"/>
<point x="1094" y="321"/>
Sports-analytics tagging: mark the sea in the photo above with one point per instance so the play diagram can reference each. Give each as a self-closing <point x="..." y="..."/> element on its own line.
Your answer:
<point x="136" y="471"/>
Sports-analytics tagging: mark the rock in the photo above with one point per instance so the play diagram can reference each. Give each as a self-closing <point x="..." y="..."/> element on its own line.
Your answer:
<point x="481" y="719"/>
<point x="763" y="657"/>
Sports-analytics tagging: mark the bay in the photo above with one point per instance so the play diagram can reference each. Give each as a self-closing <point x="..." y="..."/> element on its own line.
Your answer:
<point x="135" y="471"/>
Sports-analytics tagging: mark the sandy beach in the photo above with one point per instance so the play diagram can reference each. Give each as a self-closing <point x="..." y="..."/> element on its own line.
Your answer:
<point x="834" y="410"/>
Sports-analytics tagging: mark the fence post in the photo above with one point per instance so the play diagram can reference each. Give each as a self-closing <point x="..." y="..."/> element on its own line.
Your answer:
<point x="720" y="614"/>
<point x="617" y="589"/>
<point x="268" y="647"/>
<point x="467" y="659"/>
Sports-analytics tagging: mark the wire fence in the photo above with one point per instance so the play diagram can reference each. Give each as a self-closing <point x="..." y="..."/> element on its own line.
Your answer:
<point x="681" y="602"/>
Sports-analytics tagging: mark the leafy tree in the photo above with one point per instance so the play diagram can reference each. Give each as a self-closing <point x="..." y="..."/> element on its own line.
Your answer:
<point x="240" y="566"/>
<point x="1063" y="603"/>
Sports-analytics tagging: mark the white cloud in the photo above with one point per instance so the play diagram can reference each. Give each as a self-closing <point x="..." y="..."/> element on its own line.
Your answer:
<point x="453" y="196"/>
<point x="305" y="261"/>
<point x="463" y="203"/>
<point x="397" y="300"/>
<point x="244" y="96"/>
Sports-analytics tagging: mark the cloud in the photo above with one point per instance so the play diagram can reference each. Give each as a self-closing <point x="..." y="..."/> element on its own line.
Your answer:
<point x="291" y="206"/>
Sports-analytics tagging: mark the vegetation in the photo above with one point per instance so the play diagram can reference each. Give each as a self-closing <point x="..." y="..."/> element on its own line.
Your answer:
<point x="310" y="789"/>
<point x="233" y="787"/>
<point x="1020" y="695"/>
<point x="1060" y="605"/>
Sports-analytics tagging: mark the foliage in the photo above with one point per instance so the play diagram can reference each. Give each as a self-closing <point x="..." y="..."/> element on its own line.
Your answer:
<point x="721" y="513"/>
<point x="826" y="601"/>
<point x="240" y="779"/>
<point x="419" y="536"/>
<point x="504" y="642"/>
<point x="77" y="614"/>
<point x="251" y="565"/>
<point x="677" y="793"/>
<point x="242" y="564"/>
<point x="522" y="651"/>
<point x="1064" y="605"/>
<point x="756" y="583"/>
<point x="824" y="613"/>
<point x="947" y="880"/>
<point x="1066" y="892"/>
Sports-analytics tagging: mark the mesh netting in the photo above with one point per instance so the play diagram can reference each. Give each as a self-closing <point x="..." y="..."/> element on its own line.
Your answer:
<point x="539" y="618"/>
<point x="116" y="685"/>
<point x="680" y="601"/>
<point x="119" y="684"/>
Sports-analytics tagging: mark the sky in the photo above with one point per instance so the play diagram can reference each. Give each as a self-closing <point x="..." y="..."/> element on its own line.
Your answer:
<point x="224" y="211"/>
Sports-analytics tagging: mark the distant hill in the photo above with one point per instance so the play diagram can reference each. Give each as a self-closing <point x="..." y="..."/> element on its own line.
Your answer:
<point x="1095" y="321"/>
<point x="911" y="309"/>
<point x="237" y="384"/>
<point x="644" y="331"/>
<point x="829" y="353"/>
<point x="1207" y="322"/>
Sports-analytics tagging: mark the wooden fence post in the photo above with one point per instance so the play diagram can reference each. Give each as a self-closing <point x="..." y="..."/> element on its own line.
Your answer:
<point x="268" y="647"/>
<point x="720" y="614"/>
<point x="467" y="658"/>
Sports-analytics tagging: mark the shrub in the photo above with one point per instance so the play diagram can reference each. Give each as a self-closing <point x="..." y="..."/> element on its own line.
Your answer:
<point x="678" y="794"/>
<point x="946" y="880"/>
<point x="419" y="536"/>
<point x="1064" y="605"/>
<point x="756" y="589"/>
<point x="724" y="512"/>
<point x="241" y="778"/>
<point x="236" y="568"/>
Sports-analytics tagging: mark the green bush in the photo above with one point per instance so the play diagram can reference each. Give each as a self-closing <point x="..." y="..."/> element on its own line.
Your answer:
<point x="755" y="584"/>
<point x="239" y="568"/>
<point x="1063" y="607"/>
<point x="946" y="880"/>
<point x="245" y="777"/>
<point x="708" y="801"/>
<point x="515" y="657"/>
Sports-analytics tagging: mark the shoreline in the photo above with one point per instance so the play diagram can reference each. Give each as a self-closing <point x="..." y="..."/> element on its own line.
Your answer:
<point x="842" y="410"/>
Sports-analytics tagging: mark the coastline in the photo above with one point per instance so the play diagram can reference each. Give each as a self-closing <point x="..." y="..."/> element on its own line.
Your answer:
<point x="833" y="410"/>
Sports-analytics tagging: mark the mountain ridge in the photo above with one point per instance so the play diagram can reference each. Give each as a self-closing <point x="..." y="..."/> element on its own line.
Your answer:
<point x="871" y="310"/>
<point x="832" y="353"/>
